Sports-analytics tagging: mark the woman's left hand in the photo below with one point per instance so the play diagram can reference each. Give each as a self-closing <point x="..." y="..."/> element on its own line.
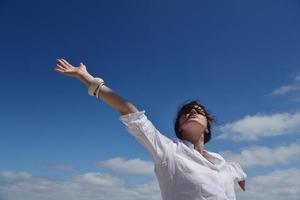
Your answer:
<point x="242" y="184"/>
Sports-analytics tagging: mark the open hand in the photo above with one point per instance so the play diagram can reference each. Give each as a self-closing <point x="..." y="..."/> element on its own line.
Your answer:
<point x="63" y="67"/>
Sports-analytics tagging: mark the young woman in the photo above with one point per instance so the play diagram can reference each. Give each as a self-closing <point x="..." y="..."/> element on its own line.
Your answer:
<point x="184" y="169"/>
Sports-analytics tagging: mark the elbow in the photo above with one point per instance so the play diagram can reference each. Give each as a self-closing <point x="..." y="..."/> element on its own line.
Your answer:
<point x="129" y="108"/>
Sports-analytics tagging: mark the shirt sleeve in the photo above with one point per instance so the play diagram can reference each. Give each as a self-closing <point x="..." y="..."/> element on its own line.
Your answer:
<point x="237" y="171"/>
<point x="145" y="132"/>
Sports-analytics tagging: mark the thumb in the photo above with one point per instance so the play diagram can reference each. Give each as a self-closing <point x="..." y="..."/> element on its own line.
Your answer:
<point x="81" y="65"/>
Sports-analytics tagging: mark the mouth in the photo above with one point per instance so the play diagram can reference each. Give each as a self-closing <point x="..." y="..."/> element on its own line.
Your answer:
<point x="192" y="116"/>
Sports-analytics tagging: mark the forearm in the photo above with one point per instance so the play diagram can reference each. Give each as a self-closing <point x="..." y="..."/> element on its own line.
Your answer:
<point x="109" y="96"/>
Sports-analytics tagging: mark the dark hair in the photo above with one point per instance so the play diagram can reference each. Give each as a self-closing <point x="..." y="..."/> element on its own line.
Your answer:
<point x="210" y="119"/>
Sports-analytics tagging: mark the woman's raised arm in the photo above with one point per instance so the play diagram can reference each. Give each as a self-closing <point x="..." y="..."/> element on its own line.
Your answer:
<point x="105" y="94"/>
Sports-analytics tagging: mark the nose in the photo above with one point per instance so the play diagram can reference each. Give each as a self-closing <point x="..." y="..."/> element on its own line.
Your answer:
<point x="193" y="112"/>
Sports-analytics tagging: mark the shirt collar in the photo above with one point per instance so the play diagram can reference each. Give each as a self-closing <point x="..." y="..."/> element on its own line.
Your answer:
<point x="188" y="143"/>
<point x="217" y="160"/>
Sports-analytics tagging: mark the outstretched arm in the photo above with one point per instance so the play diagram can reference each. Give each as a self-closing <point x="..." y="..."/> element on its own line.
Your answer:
<point x="105" y="94"/>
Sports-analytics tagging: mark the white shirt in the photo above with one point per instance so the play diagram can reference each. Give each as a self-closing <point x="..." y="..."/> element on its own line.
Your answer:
<point x="182" y="172"/>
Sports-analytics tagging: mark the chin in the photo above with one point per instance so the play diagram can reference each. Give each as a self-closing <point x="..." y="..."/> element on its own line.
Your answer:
<point x="193" y="124"/>
<point x="195" y="120"/>
<point x="192" y="138"/>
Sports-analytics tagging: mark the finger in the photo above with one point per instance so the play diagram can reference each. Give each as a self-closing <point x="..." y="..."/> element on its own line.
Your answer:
<point x="61" y="66"/>
<point x="81" y="65"/>
<point x="59" y="70"/>
<point x="62" y="63"/>
<point x="66" y="62"/>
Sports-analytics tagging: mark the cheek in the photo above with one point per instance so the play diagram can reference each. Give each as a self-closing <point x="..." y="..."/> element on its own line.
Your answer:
<point x="181" y="119"/>
<point x="179" y="126"/>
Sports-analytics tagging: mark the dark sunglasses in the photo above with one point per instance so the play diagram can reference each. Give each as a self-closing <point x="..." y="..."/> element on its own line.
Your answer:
<point x="187" y="109"/>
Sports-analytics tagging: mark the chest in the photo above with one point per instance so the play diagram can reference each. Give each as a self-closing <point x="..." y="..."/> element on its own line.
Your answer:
<point x="194" y="174"/>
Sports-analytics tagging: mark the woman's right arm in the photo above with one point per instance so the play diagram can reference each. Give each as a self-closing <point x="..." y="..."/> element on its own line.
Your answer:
<point x="136" y="121"/>
<point x="105" y="94"/>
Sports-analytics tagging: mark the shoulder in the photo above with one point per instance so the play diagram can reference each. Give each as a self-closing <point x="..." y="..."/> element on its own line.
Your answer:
<point x="237" y="171"/>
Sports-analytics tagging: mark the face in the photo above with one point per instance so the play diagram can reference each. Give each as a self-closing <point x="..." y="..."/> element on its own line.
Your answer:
<point x="193" y="117"/>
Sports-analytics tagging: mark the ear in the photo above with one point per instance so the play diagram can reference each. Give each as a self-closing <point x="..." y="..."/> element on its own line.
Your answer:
<point x="206" y="131"/>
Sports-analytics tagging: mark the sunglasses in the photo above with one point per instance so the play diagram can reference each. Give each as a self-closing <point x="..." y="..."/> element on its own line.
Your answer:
<point x="187" y="109"/>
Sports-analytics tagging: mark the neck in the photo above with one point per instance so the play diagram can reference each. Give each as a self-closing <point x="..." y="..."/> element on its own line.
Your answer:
<point x="199" y="146"/>
<point x="198" y="143"/>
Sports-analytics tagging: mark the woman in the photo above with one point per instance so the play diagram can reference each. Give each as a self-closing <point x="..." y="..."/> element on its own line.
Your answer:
<point x="184" y="169"/>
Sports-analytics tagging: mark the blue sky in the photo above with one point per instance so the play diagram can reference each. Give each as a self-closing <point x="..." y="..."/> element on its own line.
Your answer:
<point x="239" y="58"/>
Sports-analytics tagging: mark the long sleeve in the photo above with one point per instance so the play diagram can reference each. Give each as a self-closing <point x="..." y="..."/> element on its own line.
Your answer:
<point x="237" y="171"/>
<point x="145" y="132"/>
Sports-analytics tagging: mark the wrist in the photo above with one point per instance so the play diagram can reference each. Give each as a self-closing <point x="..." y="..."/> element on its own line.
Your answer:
<point x="86" y="78"/>
<point x="95" y="85"/>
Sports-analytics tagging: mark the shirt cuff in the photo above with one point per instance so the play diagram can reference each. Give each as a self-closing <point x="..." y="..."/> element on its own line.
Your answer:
<point x="127" y="118"/>
<point x="240" y="174"/>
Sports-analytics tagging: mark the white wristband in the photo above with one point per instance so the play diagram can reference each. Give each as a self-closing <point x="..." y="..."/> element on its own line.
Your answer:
<point x="96" y="93"/>
<point x="95" y="85"/>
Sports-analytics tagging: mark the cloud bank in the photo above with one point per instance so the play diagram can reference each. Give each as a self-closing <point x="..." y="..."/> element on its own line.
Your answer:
<point x="251" y="128"/>
<point x="277" y="185"/>
<point x="265" y="156"/>
<point x="96" y="186"/>
<point x="134" y="166"/>
<point x="285" y="89"/>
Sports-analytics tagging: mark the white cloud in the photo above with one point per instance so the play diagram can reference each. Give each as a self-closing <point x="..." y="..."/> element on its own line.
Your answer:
<point x="99" y="179"/>
<point x="8" y="176"/>
<point x="282" y="90"/>
<point x="96" y="186"/>
<point x="285" y="89"/>
<point x="260" y="125"/>
<point x="277" y="185"/>
<point x="134" y="166"/>
<point x="265" y="156"/>
<point x="297" y="78"/>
